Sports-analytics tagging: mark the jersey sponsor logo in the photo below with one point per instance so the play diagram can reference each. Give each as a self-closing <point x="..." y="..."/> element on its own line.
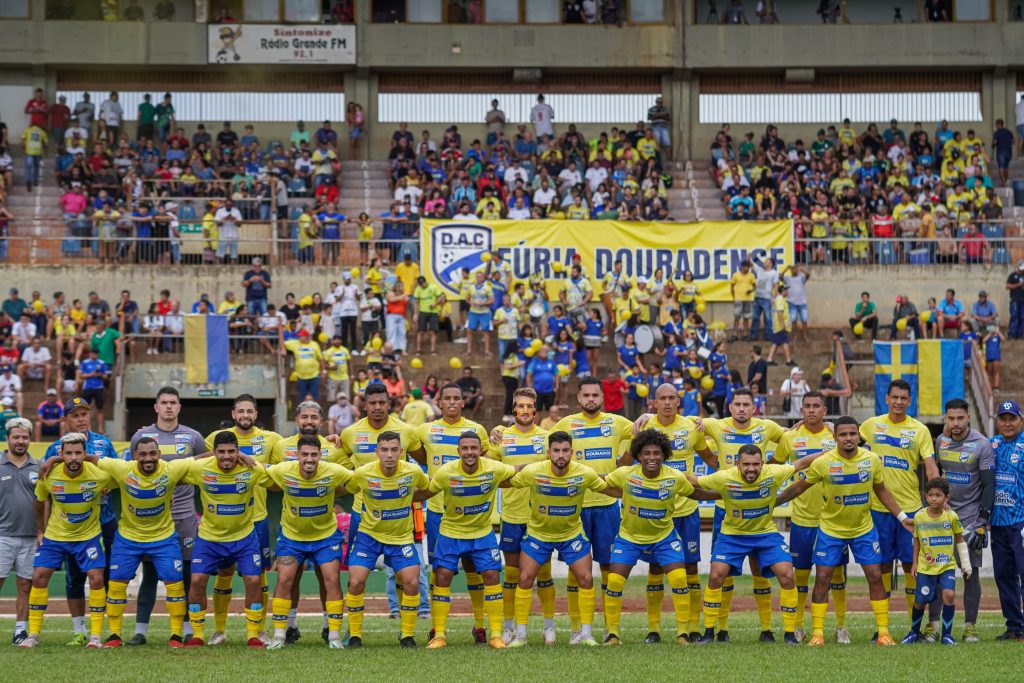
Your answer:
<point x="678" y="465"/>
<point x="315" y="511"/>
<point x="855" y="499"/>
<point x="594" y="454"/>
<point x="938" y="540"/>
<point x="958" y="478"/>
<point x="475" y="509"/>
<point x="895" y="463"/>
<point x="78" y="517"/>
<point x="561" y="510"/>
<point x="148" y="512"/>
<point x="400" y="513"/>
<point x="754" y="513"/>
<point x="647" y="513"/>
<point x="229" y="509"/>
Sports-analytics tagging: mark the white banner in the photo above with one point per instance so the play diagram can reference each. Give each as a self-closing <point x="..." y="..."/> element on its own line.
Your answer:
<point x="281" y="44"/>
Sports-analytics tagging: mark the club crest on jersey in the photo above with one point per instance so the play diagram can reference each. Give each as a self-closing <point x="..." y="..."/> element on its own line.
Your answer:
<point x="407" y="551"/>
<point x="92" y="552"/>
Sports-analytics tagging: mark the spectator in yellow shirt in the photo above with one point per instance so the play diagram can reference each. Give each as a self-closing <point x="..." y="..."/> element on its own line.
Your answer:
<point x="408" y="271"/>
<point x="742" y="289"/>
<point x="309" y="363"/>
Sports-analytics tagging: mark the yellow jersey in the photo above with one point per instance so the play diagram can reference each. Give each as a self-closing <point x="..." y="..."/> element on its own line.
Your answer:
<point x="845" y="487"/>
<point x="648" y="504"/>
<point x="902" y="446"/>
<point x="145" y="499"/>
<point x="468" y="498"/>
<point x="417" y="412"/>
<point x="307" y="507"/>
<point x="359" y="446"/>
<point x="307" y="358"/>
<point x="286" y="449"/>
<point x="440" y="440"/>
<point x="685" y="439"/>
<point x="729" y="439"/>
<point x="597" y="443"/>
<point x="337" y="358"/>
<point x="519" y="448"/>
<point x="743" y="285"/>
<point x="937" y="537"/>
<point x="387" y="500"/>
<point x="228" y="499"/>
<point x="258" y="444"/>
<point x="796" y="444"/>
<point x="74" y="502"/>
<point x="748" y="506"/>
<point x="556" y="500"/>
<point x="477" y="295"/>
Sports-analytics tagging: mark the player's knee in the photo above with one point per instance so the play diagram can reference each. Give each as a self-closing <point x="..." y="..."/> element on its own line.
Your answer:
<point x="948" y="597"/>
<point x="490" y="577"/>
<point x="586" y="582"/>
<point x="96" y="580"/>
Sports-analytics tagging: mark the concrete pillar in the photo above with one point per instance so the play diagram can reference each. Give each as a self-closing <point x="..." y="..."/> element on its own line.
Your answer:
<point x="1004" y="84"/>
<point x="361" y="87"/>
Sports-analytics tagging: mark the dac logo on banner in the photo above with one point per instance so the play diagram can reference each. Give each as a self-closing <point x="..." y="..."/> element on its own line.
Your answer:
<point x="455" y="246"/>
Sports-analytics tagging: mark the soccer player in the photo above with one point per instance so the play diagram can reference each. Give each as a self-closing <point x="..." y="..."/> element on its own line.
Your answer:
<point x="227" y="484"/>
<point x="386" y="488"/>
<point x="257" y="444"/>
<point x="523" y="443"/>
<point x="810" y="438"/>
<point x="177" y="442"/>
<point x="847" y="476"/>
<point x="438" y="446"/>
<point x="904" y="445"/>
<point x="309" y="533"/>
<point x="650" y="494"/>
<point x="469" y="489"/>
<point x="77" y="418"/>
<point x="937" y="530"/>
<point x="749" y="490"/>
<point x="72" y="534"/>
<point x="557" y="489"/>
<point x="969" y="465"/>
<point x="685" y="440"/>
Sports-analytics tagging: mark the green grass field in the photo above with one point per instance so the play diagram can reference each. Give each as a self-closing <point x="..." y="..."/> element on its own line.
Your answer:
<point x="742" y="660"/>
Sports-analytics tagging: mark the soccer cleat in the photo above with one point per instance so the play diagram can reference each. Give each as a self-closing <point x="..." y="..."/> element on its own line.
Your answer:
<point x="884" y="640"/>
<point x="335" y="644"/>
<point x="194" y="642"/>
<point x="707" y="639"/>
<point x="275" y="644"/>
<point x="431" y="634"/>
<point x="77" y="640"/>
<point x="325" y="634"/>
<point x="681" y="639"/>
<point x="790" y="639"/>
<point x="948" y="640"/>
<point x="970" y="634"/>
<point x="842" y="636"/>
<point x="508" y="635"/>
<point x="1008" y="635"/>
<point x="218" y="638"/>
<point x="113" y="640"/>
<point x="255" y="643"/>
<point x="588" y="641"/>
<point x="766" y="637"/>
<point x="549" y="636"/>
<point x="29" y="641"/>
<point x="574" y="637"/>
<point x="408" y="642"/>
<point x="652" y="638"/>
<point x="354" y="643"/>
<point x="437" y="642"/>
<point x="393" y="615"/>
<point x="874" y="637"/>
<point x="175" y="642"/>
<point x="816" y="641"/>
<point x="95" y="643"/>
<point x="137" y="640"/>
<point x="799" y="634"/>
<point x="480" y="636"/>
<point x="723" y="636"/>
<point x="911" y="638"/>
<point x="611" y="640"/>
<point x="265" y="637"/>
<point x="496" y="643"/>
<point x="18" y="638"/>
<point x="518" y="641"/>
<point x="694" y="636"/>
<point x="292" y="635"/>
<point x="930" y="635"/>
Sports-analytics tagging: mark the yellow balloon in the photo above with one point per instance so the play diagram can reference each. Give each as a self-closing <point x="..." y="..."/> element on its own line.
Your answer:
<point x="306" y="301"/>
<point x="563" y="370"/>
<point x="455" y="362"/>
<point x="642" y="390"/>
<point x="681" y="392"/>
<point x="416" y="363"/>
<point x="376" y="343"/>
<point x="707" y="383"/>
<point x="322" y="338"/>
<point x="38" y="306"/>
<point x="536" y="344"/>
<point x="354" y="272"/>
<point x="700" y="306"/>
<point x="485" y="257"/>
<point x="293" y="377"/>
<point x="858" y="329"/>
<point x="901" y="324"/>
<point x="557" y="266"/>
<point x="529" y="352"/>
<point x="695" y="372"/>
<point x="926" y="317"/>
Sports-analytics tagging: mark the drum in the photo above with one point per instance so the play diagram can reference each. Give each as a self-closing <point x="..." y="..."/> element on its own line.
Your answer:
<point x="647" y="337"/>
<point x="537" y="310"/>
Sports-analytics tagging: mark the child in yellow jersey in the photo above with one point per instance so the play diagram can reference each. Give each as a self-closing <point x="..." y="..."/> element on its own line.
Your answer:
<point x="937" y="531"/>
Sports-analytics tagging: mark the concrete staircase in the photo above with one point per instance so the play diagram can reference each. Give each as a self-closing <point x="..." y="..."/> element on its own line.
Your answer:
<point x="36" y="214"/>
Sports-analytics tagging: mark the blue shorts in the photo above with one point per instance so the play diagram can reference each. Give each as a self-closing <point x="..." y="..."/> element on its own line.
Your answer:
<point x="366" y="550"/>
<point x="895" y="542"/>
<point x="353" y="529"/>
<point x="479" y="321"/>
<point x="688" y="529"/>
<point x="780" y="338"/>
<point x="716" y="525"/>
<point x="511" y="537"/>
<point x="798" y="313"/>
<point x="482" y="552"/>
<point x="801" y="545"/>
<point x="262" y="528"/>
<point x="317" y="552"/>
<point x="668" y="550"/>
<point x="930" y="586"/>
<point x="568" y="551"/>
<point x="765" y="549"/>
<point x="829" y="551"/>
<point x="433" y="531"/>
<point x="165" y="556"/>
<point x="87" y="555"/>
<point x="209" y="557"/>
<point x="601" y="526"/>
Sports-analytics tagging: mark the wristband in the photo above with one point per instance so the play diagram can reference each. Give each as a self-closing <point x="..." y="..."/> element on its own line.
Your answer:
<point x="902" y="516"/>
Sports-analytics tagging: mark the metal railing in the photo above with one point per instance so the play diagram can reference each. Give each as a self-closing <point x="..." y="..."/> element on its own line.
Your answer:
<point x="981" y="391"/>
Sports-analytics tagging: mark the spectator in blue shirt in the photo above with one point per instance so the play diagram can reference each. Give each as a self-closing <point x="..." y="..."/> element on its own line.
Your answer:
<point x="327" y="135"/>
<point x="741" y="206"/>
<point x="629" y="355"/>
<point x="542" y="375"/>
<point x="951" y="312"/>
<point x="50" y="413"/>
<point x="983" y="312"/>
<point x="1002" y="143"/>
<point x="557" y="321"/>
<point x="690" y="398"/>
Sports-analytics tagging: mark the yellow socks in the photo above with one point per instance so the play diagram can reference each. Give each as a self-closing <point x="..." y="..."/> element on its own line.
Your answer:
<point x="335" y="608"/>
<point x="510" y="585"/>
<point x="887" y="582"/>
<point x="910" y="590"/>
<point x="253" y="620"/>
<point x="680" y="599"/>
<point x="763" y="599"/>
<point x="475" y="586"/>
<point x="197" y="618"/>
<point x="881" y="610"/>
<point x="38" y="600"/>
<point x="408" y="604"/>
<point x="493" y="608"/>
<point x="279" y="615"/>
<point x="838" y="589"/>
<point x="440" y="606"/>
<point x="803" y="577"/>
<point x="788" y="598"/>
<point x="524" y="601"/>
<point x="725" y="601"/>
<point x="818" y="612"/>
<point x="572" y="595"/>
<point x="712" y="606"/>
<point x="117" y="600"/>
<point x="613" y="603"/>
<point x="655" y="597"/>
<point x="175" y="606"/>
<point x="696" y="601"/>
<point x="221" y="601"/>
<point x="354" y="604"/>
<point x="588" y="602"/>
<point x="97" y="610"/>
<point x="546" y="591"/>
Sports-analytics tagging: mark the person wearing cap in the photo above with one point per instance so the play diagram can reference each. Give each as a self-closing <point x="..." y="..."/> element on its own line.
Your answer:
<point x="1008" y="516"/>
<point x="18" y="530"/>
<point x="10" y="388"/>
<point x="309" y="363"/>
<point x="1015" y="285"/>
<point x="983" y="312"/>
<point x="51" y="414"/>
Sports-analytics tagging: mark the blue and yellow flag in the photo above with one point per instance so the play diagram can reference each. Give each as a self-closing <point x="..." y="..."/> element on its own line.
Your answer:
<point x="934" y="368"/>
<point x="206" y="349"/>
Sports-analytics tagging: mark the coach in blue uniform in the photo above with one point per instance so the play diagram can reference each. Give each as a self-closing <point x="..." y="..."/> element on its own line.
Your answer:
<point x="1008" y="518"/>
